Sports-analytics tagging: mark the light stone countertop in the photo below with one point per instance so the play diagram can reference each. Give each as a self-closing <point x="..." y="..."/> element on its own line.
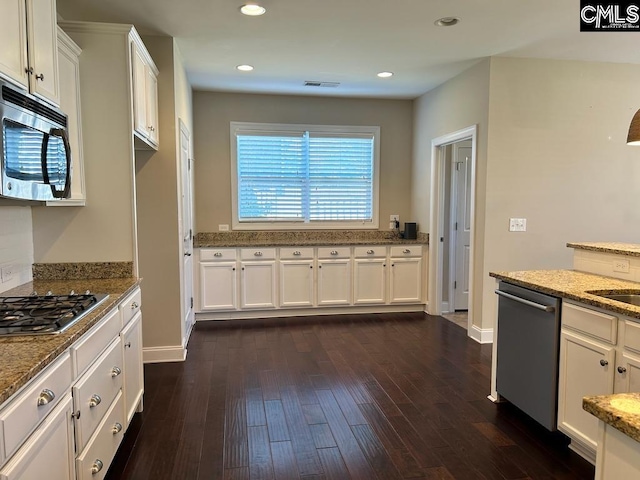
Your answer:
<point x="621" y="411"/>
<point x="303" y="238"/>
<point x="574" y="285"/>
<point x="23" y="357"/>
<point x="629" y="249"/>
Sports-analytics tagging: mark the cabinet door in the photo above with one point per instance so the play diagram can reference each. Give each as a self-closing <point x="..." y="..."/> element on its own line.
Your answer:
<point x="334" y="282"/>
<point x="69" y="70"/>
<point x="133" y="372"/>
<point x="258" y="284"/>
<point x="627" y="373"/>
<point x="586" y="368"/>
<point x="139" y="92"/>
<point x="405" y="285"/>
<point x="43" y="49"/>
<point x="49" y="451"/>
<point x="296" y="283"/>
<point x="151" y="87"/>
<point x="218" y="286"/>
<point x="369" y="284"/>
<point x="13" y="38"/>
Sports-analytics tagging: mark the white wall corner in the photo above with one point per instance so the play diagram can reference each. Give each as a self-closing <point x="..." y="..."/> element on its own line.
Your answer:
<point x="481" y="335"/>
<point x="164" y="354"/>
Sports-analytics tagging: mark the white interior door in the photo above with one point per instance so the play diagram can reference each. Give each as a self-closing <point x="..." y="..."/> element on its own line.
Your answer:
<point x="462" y="227"/>
<point x="186" y="208"/>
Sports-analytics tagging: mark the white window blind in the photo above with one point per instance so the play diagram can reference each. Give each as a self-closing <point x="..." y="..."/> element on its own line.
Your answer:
<point x="312" y="175"/>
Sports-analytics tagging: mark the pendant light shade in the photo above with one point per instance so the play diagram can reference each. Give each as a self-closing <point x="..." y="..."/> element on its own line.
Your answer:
<point x="634" y="130"/>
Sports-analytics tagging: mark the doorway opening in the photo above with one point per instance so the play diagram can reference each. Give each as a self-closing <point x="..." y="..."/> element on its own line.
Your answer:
<point x="453" y="178"/>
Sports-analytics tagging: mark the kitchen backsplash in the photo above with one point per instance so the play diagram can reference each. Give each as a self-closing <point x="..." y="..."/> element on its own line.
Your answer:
<point x="16" y="247"/>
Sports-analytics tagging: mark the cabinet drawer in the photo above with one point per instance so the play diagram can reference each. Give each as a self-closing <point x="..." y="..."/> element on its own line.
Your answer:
<point x="258" y="253"/>
<point x="130" y="306"/>
<point x="103" y="444"/>
<point x="85" y="351"/>
<point x="406" y="251"/>
<point x="296" y="253"/>
<point x="24" y="413"/>
<point x="93" y="394"/>
<point x="218" y="254"/>
<point x="334" y="252"/>
<point x="370" y="252"/>
<point x="591" y="322"/>
<point x="632" y="335"/>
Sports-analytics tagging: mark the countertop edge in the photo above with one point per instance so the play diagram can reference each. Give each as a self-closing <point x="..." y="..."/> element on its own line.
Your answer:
<point x="320" y="243"/>
<point x="629" y="250"/>
<point x="600" y="406"/>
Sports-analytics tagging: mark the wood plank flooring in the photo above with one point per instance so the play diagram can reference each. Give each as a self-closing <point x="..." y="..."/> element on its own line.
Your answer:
<point x="386" y="396"/>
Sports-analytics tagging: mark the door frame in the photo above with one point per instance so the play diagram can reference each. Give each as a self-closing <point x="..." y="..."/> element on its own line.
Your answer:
<point x="437" y="228"/>
<point x="184" y="130"/>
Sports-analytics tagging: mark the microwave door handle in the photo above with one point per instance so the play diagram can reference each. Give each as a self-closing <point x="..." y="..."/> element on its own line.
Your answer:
<point x="43" y="159"/>
<point x="62" y="133"/>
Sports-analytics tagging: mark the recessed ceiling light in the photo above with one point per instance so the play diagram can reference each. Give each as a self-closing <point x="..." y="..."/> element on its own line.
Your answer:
<point x="252" y="10"/>
<point x="447" y="21"/>
<point x="244" y="68"/>
<point x="385" y="74"/>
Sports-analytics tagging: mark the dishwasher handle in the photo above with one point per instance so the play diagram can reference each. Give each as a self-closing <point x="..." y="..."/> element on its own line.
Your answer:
<point x="545" y="308"/>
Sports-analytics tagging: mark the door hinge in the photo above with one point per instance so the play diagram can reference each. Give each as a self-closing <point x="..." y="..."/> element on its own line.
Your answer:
<point x="190" y="234"/>
<point x="189" y="164"/>
<point x="455" y="284"/>
<point x="456" y="227"/>
<point x="191" y="302"/>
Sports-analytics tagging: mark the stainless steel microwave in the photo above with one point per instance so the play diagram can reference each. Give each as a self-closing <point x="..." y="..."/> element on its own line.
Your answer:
<point x="36" y="157"/>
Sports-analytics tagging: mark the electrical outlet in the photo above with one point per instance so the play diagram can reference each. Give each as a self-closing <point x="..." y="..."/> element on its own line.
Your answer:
<point x="6" y="273"/>
<point x="223" y="227"/>
<point x="622" y="266"/>
<point x="394" y="218"/>
<point x="517" y="224"/>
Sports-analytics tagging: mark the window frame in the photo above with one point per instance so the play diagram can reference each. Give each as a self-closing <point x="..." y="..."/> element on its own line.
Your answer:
<point x="247" y="127"/>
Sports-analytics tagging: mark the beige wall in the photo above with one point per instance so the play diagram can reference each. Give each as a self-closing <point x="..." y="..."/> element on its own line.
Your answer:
<point x="103" y="229"/>
<point x="459" y="103"/>
<point x="213" y="111"/>
<point x="157" y="181"/>
<point x="557" y="157"/>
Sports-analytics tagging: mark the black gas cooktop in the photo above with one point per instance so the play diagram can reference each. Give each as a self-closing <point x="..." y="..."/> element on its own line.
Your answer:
<point x="45" y="314"/>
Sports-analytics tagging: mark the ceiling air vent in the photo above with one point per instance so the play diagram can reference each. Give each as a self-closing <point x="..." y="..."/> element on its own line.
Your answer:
<point x="310" y="83"/>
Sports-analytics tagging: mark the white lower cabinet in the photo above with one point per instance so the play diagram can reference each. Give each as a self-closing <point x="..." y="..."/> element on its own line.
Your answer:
<point x="70" y="419"/>
<point x="599" y="355"/>
<point x="369" y="281"/>
<point x="258" y="284"/>
<point x="296" y="283"/>
<point x="405" y="284"/>
<point x="49" y="451"/>
<point x="218" y="286"/>
<point x="334" y="282"/>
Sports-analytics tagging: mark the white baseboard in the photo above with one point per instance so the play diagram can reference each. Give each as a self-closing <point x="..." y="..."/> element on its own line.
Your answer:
<point x="164" y="354"/>
<point x="481" y="335"/>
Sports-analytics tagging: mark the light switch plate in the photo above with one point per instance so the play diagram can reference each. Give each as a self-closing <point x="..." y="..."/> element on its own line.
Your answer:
<point x="223" y="227"/>
<point x="517" y="224"/>
<point x="621" y="265"/>
<point x="6" y="272"/>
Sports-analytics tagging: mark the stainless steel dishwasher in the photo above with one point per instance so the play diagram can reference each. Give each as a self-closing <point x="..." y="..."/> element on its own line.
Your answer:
<point x="527" y="351"/>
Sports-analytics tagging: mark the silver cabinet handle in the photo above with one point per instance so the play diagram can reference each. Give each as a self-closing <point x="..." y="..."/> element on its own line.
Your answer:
<point x="127" y="345"/>
<point x="217" y="254"/>
<point x="29" y="70"/>
<point x="115" y="371"/>
<point x="539" y="306"/>
<point x="40" y="77"/>
<point x="46" y="396"/>
<point x="296" y="253"/>
<point x="95" y="400"/>
<point x="97" y="466"/>
<point x="621" y="369"/>
<point x="604" y="363"/>
<point x="406" y="250"/>
<point x="370" y="252"/>
<point x="134" y="305"/>
<point x="334" y="252"/>
<point x="117" y="428"/>
<point x="258" y="254"/>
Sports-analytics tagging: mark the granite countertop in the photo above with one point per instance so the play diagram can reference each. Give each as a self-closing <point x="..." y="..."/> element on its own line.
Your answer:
<point x="23" y="357"/>
<point x="629" y="249"/>
<point x="298" y="238"/>
<point x="621" y="411"/>
<point x="575" y="285"/>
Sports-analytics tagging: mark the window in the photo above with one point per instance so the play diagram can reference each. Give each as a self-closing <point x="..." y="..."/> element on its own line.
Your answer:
<point x="304" y="176"/>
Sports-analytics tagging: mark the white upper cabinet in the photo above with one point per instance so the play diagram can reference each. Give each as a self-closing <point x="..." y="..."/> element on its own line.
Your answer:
<point x="145" y="96"/>
<point x="29" y="51"/>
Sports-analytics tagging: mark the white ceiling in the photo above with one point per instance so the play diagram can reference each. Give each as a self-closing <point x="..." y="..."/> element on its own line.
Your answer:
<point x="349" y="41"/>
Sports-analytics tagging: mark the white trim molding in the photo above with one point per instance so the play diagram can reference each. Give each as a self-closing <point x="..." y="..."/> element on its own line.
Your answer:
<point x="481" y="335"/>
<point x="164" y="354"/>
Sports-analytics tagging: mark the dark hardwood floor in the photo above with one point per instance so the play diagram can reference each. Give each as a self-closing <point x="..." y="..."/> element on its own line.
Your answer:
<point x="387" y="396"/>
